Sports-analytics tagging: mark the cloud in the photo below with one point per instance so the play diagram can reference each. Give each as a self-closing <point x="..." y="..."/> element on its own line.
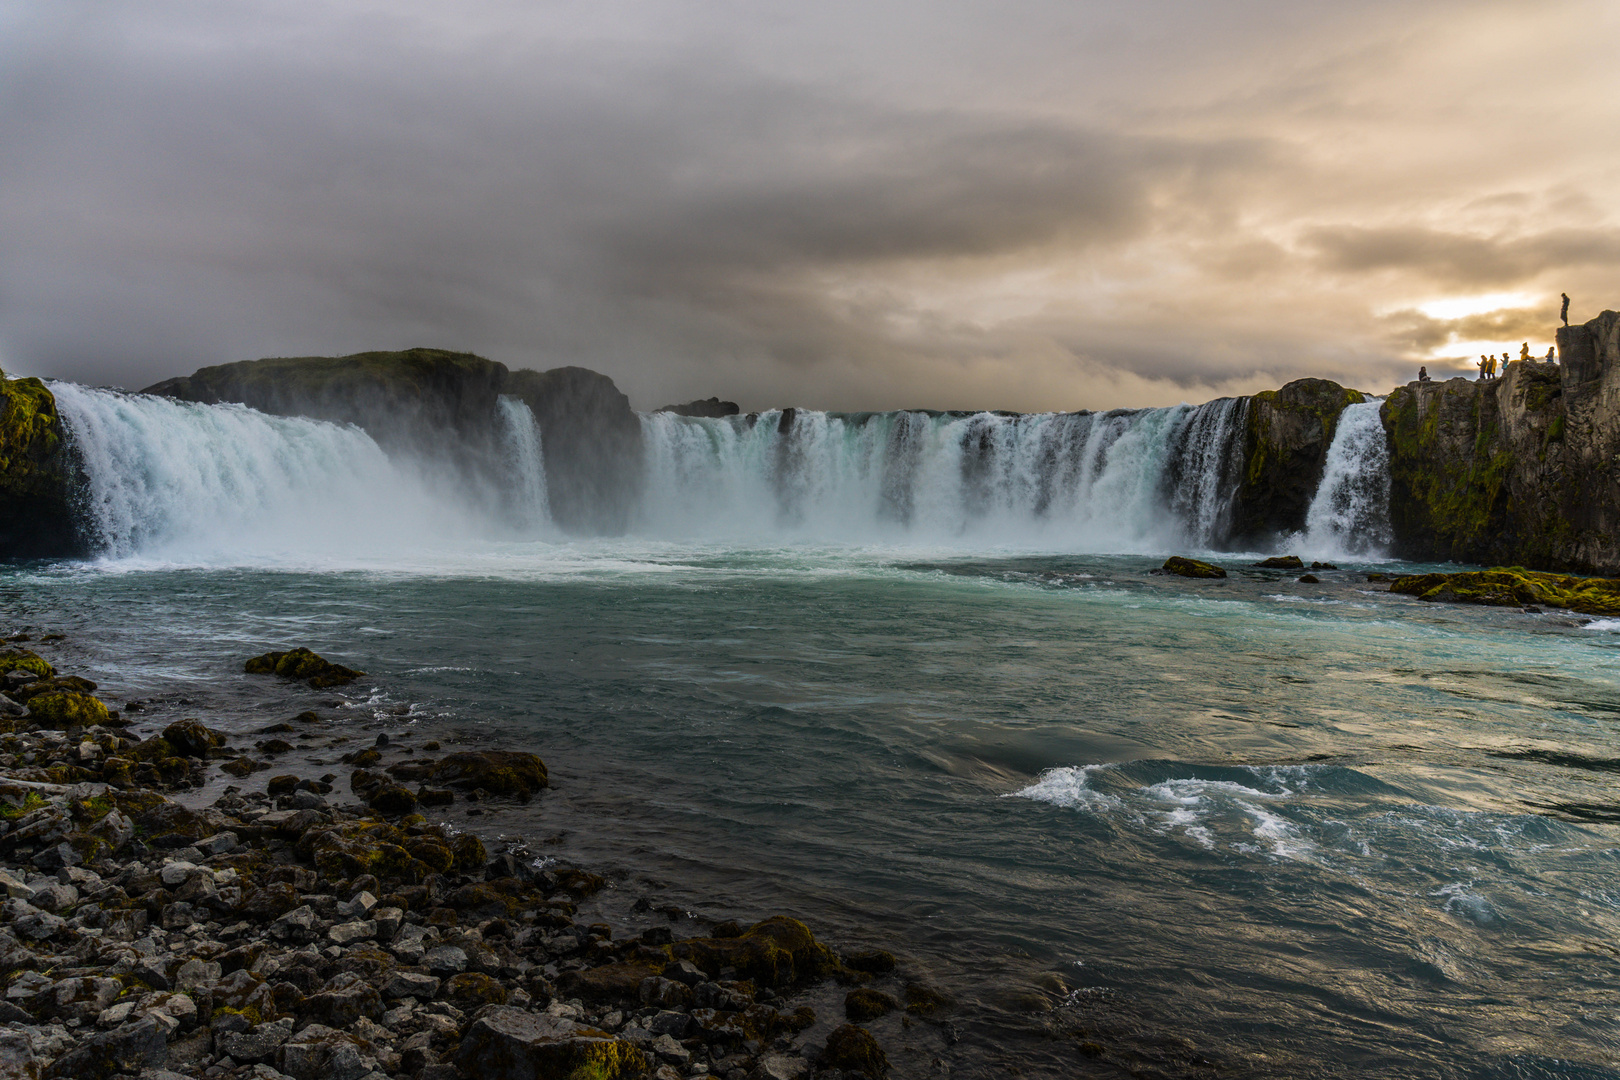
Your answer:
<point x="853" y="205"/>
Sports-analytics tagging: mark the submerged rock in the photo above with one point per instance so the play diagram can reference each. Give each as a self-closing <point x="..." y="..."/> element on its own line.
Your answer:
<point x="854" y="1050"/>
<point x="1192" y="568"/>
<point x="1282" y="562"/>
<point x="499" y="772"/>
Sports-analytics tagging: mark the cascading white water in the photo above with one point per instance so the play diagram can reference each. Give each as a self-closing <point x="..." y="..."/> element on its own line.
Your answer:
<point x="1120" y="481"/>
<point x="168" y="479"/>
<point x="1349" y="515"/>
<point x="529" y="507"/>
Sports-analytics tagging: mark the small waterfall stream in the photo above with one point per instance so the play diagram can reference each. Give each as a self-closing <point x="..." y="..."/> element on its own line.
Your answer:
<point x="1349" y="517"/>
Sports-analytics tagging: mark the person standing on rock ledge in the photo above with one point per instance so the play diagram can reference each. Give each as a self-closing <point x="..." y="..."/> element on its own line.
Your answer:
<point x="1524" y="351"/>
<point x="1563" y="312"/>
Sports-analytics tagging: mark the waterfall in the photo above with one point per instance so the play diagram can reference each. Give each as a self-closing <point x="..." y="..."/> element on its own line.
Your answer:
<point x="1127" y="480"/>
<point x="1349" y="515"/>
<point x="529" y="507"/>
<point x="172" y="480"/>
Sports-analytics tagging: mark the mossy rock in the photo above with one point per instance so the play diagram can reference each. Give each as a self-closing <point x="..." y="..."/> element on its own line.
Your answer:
<point x="609" y="983"/>
<point x="863" y="1004"/>
<point x="63" y="710"/>
<point x="470" y="853"/>
<point x="924" y="1000"/>
<point x="244" y="767"/>
<point x="870" y="961"/>
<point x="392" y="800"/>
<point x="499" y="772"/>
<point x="25" y="660"/>
<point x="854" y="1050"/>
<point x="1282" y="562"/>
<point x="1515" y="587"/>
<point x="777" y="952"/>
<point x="353" y="848"/>
<point x="171" y="818"/>
<point x="471" y="991"/>
<point x="303" y="665"/>
<point x="154" y="749"/>
<point x="1192" y="568"/>
<point x="432" y="852"/>
<point x="191" y="738"/>
<point x="36" y="516"/>
<point x="72" y="684"/>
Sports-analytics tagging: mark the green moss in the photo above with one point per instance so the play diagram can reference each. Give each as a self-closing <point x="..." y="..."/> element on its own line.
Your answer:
<point x="67" y="709"/>
<point x="31" y="802"/>
<point x="23" y="659"/>
<point x="1515" y="587"/>
<point x="1192" y="568"/>
<point x="30" y="431"/>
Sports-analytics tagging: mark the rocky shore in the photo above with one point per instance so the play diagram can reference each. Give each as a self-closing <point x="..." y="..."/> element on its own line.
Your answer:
<point x="289" y="929"/>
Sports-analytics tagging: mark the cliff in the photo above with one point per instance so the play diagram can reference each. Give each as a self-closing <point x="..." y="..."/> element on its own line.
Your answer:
<point x="592" y="442"/>
<point x="1520" y="470"/>
<point x="1286" y="440"/>
<point x="36" y="515"/>
<point x="443" y="404"/>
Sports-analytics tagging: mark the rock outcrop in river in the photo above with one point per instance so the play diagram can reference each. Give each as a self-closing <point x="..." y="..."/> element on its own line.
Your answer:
<point x="1521" y="470"/>
<point x="1285" y="449"/>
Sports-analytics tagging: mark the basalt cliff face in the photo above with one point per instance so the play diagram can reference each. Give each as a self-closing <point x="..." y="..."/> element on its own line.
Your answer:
<point x="1286" y="441"/>
<point x="439" y="403"/>
<point x="1521" y="470"/>
<point x="36" y="516"/>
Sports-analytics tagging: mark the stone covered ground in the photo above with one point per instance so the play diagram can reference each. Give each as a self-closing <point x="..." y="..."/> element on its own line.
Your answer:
<point x="294" y="930"/>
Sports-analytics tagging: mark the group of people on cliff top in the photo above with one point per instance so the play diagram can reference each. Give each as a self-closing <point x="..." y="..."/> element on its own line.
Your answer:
<point x="1488" y="361"/>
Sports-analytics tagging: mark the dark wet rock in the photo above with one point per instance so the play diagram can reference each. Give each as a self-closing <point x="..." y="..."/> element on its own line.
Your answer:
<point x="257" y="1045"/>
<point x="410" y="984"/>
<point x="1309" y="579"/>
<point x="863" y="1004"/>
<point x="870" y="961"/>
<point x="129" y="1049"/>
<point x="1286" y="439"/>
<point x="854" y="1050"/>
<point x="500" y="772"/>
<point x="1323" y="566"/>
<point x="392" y="800"/>
<point x="191" y="738"/>
<point x="777" y="952"/>
<point x="303" y="665"/>
<point x="1192" y="568"/>
<point x="1379" y="577"/>
<point x="319" y="1052"/>
<point x="471" y="991"/>
<point x="505" y="1043"/>
<point x="924" y="1000"/>
<point x="706" y="407"/>
<point x="1282" y="562"/>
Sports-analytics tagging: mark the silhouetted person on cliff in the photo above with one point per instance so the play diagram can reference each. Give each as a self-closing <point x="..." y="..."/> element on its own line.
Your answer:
<point x="1563" y="312"/>
<point x="1423" y="374"/>
<point x="1551" y="357"/>
<point x="1524" y="351"/>
<point x="1484" y="365"/>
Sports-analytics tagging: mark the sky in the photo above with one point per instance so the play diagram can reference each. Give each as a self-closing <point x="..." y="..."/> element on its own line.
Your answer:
<point x="1023" y="205"/>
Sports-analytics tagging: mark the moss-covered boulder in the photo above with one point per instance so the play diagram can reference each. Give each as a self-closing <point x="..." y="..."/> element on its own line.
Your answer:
<point x="506" y="1043"/>
<point x="72" y="684"/>
<point x="25" y="660"/>
<point x="191" y="738"/>
<point x="499" y="772"/>
<point x="777" y="952"/>
<point x="36" y="514"/>
<point x="1192" y="568"/>
<point x="471" y="991"/>
<point x="65" y="710"/>
<point x="1286" y="438"/>
<point x="303" y="665"/>
<point x="854" y="1050"/>
<point x="608" y="983"/>
<point x="1515" y="587"/>
<point x="352" y="848"/>
<point x="864" y="1003"/>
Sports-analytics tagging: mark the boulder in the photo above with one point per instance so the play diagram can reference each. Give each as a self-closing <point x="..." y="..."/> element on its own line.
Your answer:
<point x="303" y="665"/>
<point x="499" y="772"/>
<point x="130" y="1048"/>
<point x="1287" y="435"/>
<point x="257" y="1045"/>
<point x="1192" y="568"/>
<point x="191" y="738"/>
<point x="1515" y="587"/>
<point x="319" y="1052"/>
<point x="506" y="1043"/>
<point x="1282" y="562"/>
<point x="65" y="709"/>
<point x="14" y="659"/>
<point x="854" y="1050"/>
<point x="863" y="1004"/>
<point x="778" y="952"/>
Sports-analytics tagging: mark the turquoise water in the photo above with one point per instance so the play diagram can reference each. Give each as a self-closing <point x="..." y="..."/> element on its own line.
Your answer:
<point x="1135" y="824"/>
